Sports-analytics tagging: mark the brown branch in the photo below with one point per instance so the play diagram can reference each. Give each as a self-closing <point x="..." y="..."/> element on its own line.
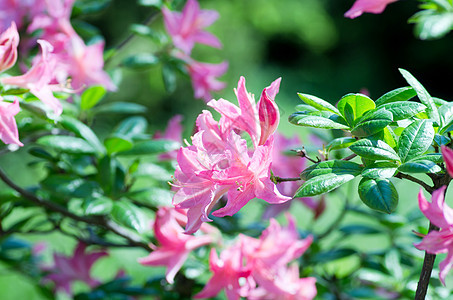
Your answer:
<point x="277" y="179"/>
<point x="427" y="187"/>
<point x="349" y="157"/>
<point x="427" y="268"/>
<point x="98" y="221"/>
<point x="303" y="153"/>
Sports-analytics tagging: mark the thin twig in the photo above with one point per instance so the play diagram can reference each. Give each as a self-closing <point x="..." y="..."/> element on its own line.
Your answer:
<point x="427" y="187"/>
<point x="349" y="157"/>
<point x="98" y="221"/>
<point x="303" y="153"/>
<point x="280" y="179"/>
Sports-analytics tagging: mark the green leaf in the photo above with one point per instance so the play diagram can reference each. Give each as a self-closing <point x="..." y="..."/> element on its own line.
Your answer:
<point x="318" y="103"/>
<point x="120" y="108"/>
<point x="141" y="61"/>
<point x="358" y="229"/>
<point x="433" y="25"/>
<point x="305" y="108"/>
<point x="154" y="171"/>
<point x="169" y="78"/>
<point x="41" y="153"/>
<point x="83" y="131"/>
<point x="372" y="123"/>
<point x="153" y="196"/>
<point x="338" y="167"/>
<point x="359" y="104"/>
<point x="381" y="169"/>
<point x="374" y="149"/>
<point x="322" y="184"/>
<point x="97" y="206"/>
<point x="419" y="166"/>
<point x="434" y="157"/>
<point x="15" y="92"/>
<point x="378" y="194"/>
<point x="423" y="95"/>
<point x="67" y="144"/>
<point x="403" y="110"/>
<point x="415" y="139"/>
<point x="156" y="3"/>
<point x="152" y="147"/>
<point x="129" y="215"/>
<point x="69" y="186"/>
<point x="327" y="256"/>
<point x="340" y="143"/>
<point x="315" y="121"/>
<point x="117" y="144"/>
<point x="400" y="94"/>
<point x="441" y="140"/>
<point x="91" y="96"/>
<point x="131" y="127"/>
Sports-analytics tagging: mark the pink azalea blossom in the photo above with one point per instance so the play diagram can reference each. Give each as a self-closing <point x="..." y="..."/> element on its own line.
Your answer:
<point x="68" y="269"/>
<point x="268" y="113"/>
<point x="227" y="272"/>
<point x="38" y="79"/>
<point x="368" y="6"/>
<point x="8" y="127"/>
<point x="441" y="215"/>
<point x="447" y="153"/>
<point x="204" y="78"/>
<point x="174" y="246"/>
<point x="174" y="133"/>
<point x="9" y="40"/>
<point x="186" y="28"/>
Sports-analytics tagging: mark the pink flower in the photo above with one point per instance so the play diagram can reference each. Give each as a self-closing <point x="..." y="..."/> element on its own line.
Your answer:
<point x="203" y="76"/>
<point x="8" y="127"/>
<point x="9" y="40"/>
<point x="268" y="113"/>
<point x="441" y="215"/>
<point x="228" y="270"/>
<point x="186" y="28"/>
<point x="173" y="133"/>
<point x="369" y="6"/>
<point x="38" y="78"/>
<point x="174" y="246"/>
<point x="447" y="153"/>
<point x="68" y="269"/>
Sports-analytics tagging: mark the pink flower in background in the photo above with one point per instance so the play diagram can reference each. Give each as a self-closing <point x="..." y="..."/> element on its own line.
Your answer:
<point x="441" y="215"/>
<point x="68" y="269"/>
<point x="9" y="40"/>
<point x="186" y="28"/>
<point x="204" y="78"/>
<point x="173" y="132"/>
<point x="368" y="6"/>
<point x="447" y="153"/>
<point x="38" y="79"/>
<point x="8" y="127"/>
<point x="227" y="271"/>
<point x="174" y="246"/>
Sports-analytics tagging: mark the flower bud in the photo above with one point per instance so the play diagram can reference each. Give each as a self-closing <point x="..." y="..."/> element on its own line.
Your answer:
<point x="9" y="40"/>
<point x="268" y="111"/>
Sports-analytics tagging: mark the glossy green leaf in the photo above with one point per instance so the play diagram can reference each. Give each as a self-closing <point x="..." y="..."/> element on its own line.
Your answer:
<point x="434" y="157"/>
<point x="97" y="206"/>
<point x="441" y="140"/>
<point x="315" y="121"/>
<point x="41" y="153"/>
<point x="154" y="171"/>
<point x="318" y="103"/>
<point x="338" y="167"/>
<point x="419" y="166"/>
<point x="447" y="127"/>
<point x="415" y="139"/>
<point x="83" y="131"/>
<point x="445" y="113"/>
<point x="372" y="123"/>
<point x="69" y="186"/>
<point x="156" y="3"/>
<point x="153" y="196"/>
<point x="433" y="24"/>
<point x="129" y="215"/>
<point x="378" y="194"/>
<point x="322" y="184"/>
<point x="169" y="78"/>
<point x="91" y="96"/>
<point x="340" y="143"/>
<point x="403" y="110"/>
<point x="120" y="108"/>
<point x="374" y="149"/>
<point x="152" y="147"/>
<point x="359" y="104"/>
<point x="305" y="108"/>
<point x="399" y="94"/>
<point x="117" y="144"/>
<point x="141" y="61"/>
<point x="131" y="127"/>
<point x="15" y="92"/>
<point x="382" y="169"/>
<point x="327" y="256"/>
<point x="358" y="229"/>
<point x="423" y="95"/>
<point x="67" y="144"/>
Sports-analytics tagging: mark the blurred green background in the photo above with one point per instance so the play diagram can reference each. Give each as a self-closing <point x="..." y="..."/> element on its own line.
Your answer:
<point x="306" y="42"/>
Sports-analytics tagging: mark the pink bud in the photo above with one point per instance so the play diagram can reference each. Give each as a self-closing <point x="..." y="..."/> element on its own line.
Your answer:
<point x="447" y="153"/>
<point x="268" y="111"/>
<point x="9" y="40"/>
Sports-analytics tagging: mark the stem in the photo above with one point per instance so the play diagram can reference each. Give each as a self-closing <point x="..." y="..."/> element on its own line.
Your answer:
<point x="98" y="221"/>
<point x="349" y="157"/>
<point x="303" y="153"/>
<point x="280" y="179"/>
<point x="427" y="187"/>
<point x="427" y="268"/>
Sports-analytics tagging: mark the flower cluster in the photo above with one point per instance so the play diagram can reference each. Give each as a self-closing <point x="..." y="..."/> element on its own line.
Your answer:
<point x="186" y="29"/>
<point x="67" y="269"/>
<point x="441" y="215"/>
<point x="260" y="268"/>
<point x="219" y="162"/>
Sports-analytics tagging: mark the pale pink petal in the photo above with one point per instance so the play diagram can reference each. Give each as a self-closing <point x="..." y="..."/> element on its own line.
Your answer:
<point x="369" y="6"/>
<point x="447" y="153"/>
<point x="438" y="212"/>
